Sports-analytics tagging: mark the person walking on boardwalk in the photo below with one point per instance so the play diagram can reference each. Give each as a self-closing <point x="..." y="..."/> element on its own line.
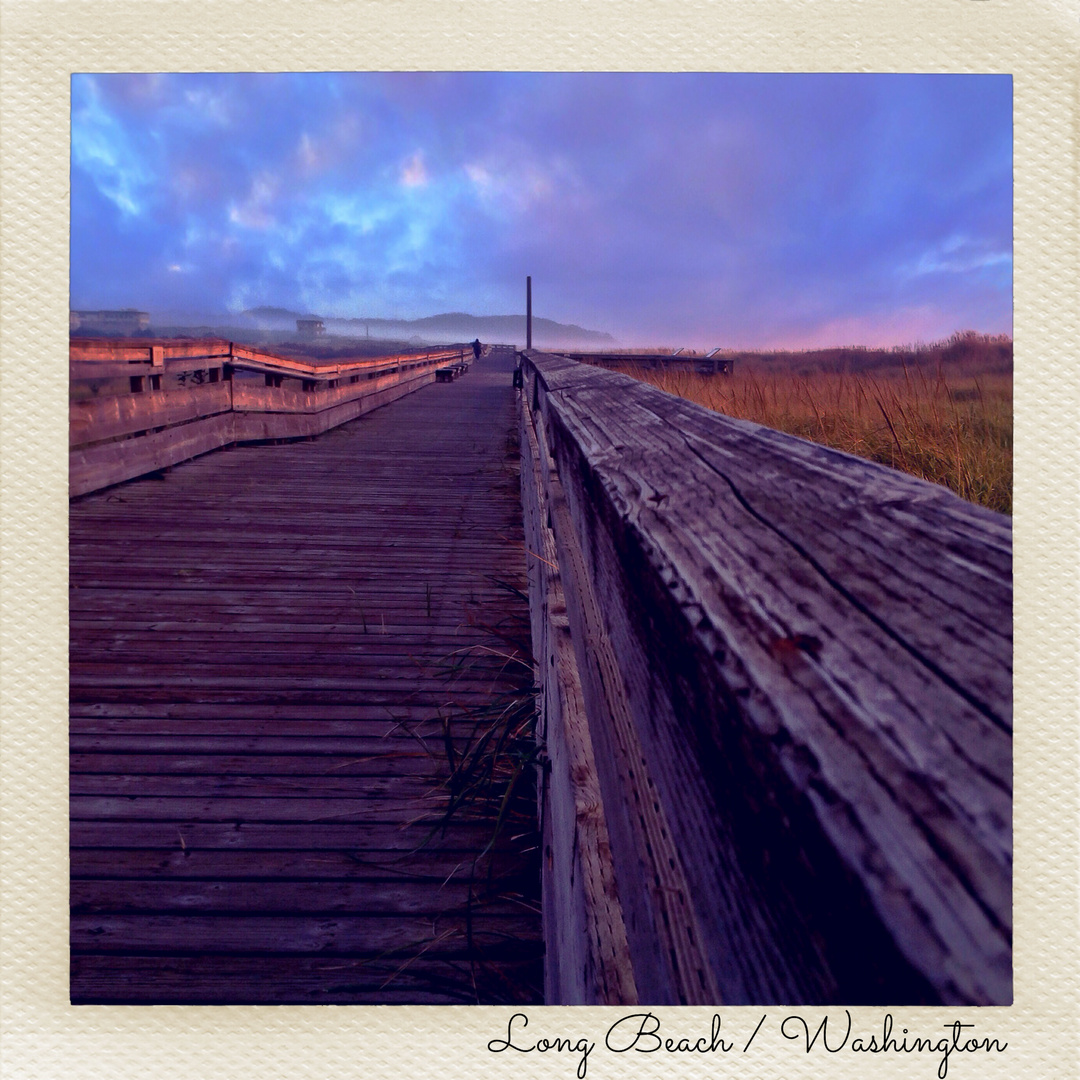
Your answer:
<point x="476" y="349"/>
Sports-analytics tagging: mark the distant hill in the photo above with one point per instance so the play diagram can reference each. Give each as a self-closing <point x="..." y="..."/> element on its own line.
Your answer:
<point x="273" y="313"/>
<point x="436" y="329"/>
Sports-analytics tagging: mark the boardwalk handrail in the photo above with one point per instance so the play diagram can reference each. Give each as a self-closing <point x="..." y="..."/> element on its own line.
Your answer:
<point x="776" y="703"/>
<point x="710" y="364"/>
<point x="137" y="408"/>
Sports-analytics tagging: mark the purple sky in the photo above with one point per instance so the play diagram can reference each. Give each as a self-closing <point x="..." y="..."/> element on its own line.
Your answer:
<point x="733" y="210"/>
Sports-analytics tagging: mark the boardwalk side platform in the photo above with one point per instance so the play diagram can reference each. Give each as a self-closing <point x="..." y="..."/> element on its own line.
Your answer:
<point x="777" y="695"/>
<point x="138" y="408"/>
<point x="283" y="659"/>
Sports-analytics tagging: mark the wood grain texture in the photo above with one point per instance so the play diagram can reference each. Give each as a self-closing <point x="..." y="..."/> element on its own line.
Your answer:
<point x="817" y="654"/>
<point x="662" y="932"/>
<point x="587" y="956"/>
<point x="276" y="653"/>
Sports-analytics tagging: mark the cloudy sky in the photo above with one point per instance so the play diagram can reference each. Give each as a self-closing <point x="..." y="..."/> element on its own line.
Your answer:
<point x="695" y="209"/>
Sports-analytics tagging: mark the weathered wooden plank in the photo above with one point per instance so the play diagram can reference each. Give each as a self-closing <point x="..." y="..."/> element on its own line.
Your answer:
<point x="403" y="760"/>
<point x="98" y="419"/>
<point x="372" y="896"/>
<point x="148" y="691"/>
<point x="97" y="352"/>
<point x="246" y="633"/>
<point x="817" y="655"/>
<point x="587" y="958"/>
<point x="399" y="978"/>
<point x="257" y="808"/>
<point x="665" y="938"/>
<point x="108" y="350"/>
<point x="243" y="742"/>
<point x="384" y="719"/>
<point x="370" y="728"/>
<point x="94" y="570"/>
<point x="232" y="678"/>
<point x="205" y="361"/>
<point x="275" y="652"/>
<point x="353" y="863"/>
<point x="260" y="360"/>
<point x="104" y="840"/>
<point x="306" y="936"/>
<point x="96" y="466"/>
<point x="922" y="600"/>
<point x="257" y="787"/>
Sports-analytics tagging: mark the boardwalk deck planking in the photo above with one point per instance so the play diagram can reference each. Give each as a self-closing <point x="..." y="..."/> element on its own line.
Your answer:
<point x="272" y="649"/>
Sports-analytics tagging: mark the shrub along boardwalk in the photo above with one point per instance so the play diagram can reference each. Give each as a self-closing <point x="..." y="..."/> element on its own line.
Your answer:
<point x="282" y="660"/>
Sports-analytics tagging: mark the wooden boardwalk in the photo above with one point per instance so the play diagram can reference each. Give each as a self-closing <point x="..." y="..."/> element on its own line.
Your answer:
<point x="287" y="662"/>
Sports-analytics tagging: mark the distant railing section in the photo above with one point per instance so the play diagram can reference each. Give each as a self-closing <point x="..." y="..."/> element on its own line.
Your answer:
<point x="776" y="708"/>
<point x="711" y="364"/>
<point x="139" y="408"/>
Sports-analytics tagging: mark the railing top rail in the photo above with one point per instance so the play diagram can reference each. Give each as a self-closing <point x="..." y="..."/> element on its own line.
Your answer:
<point x="614" y="355"/>
<point x="88" y="354"/>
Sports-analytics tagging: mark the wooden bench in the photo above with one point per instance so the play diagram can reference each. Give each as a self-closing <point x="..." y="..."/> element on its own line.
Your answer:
<point x="452" y="372"/>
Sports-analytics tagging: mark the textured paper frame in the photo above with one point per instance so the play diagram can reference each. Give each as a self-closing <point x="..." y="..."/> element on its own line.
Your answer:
<point x="44" y="41"/>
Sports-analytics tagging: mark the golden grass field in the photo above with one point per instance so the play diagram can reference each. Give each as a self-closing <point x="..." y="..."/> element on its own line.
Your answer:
<point x="949" y="422"/>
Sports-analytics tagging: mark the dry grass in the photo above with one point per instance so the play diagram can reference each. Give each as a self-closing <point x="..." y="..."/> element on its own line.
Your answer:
<point x="952" y="427"/>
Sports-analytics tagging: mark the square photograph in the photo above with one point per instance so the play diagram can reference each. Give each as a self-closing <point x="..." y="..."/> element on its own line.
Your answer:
<point x="541" y="538"/>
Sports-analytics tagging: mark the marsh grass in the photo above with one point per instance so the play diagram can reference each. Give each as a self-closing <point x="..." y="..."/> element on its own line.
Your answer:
<point x="484" y="764"/>
<point x="949" y="426"/>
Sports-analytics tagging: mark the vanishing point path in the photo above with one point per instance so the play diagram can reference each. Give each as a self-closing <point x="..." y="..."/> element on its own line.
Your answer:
<point x="297" y="671"/>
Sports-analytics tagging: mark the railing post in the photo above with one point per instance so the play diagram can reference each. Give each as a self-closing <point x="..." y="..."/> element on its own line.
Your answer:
<point x="528" y="313"/>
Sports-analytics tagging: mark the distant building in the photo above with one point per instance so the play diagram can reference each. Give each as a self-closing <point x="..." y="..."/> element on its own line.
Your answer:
<point x="310" y="328"/>
<point x="116" y="323"/>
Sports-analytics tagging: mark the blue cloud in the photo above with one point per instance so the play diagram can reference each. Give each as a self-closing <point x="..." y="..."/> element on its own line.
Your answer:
<point x="744" y="209"/>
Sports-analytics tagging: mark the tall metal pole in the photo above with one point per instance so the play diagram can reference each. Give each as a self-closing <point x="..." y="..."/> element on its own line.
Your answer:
<point x="528" y="313"/>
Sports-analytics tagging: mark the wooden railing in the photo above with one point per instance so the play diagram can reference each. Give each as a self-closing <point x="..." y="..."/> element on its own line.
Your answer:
<point x="700" y="365"/>
<point x="138" y="408"/>
<point x="776" y="707"/>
